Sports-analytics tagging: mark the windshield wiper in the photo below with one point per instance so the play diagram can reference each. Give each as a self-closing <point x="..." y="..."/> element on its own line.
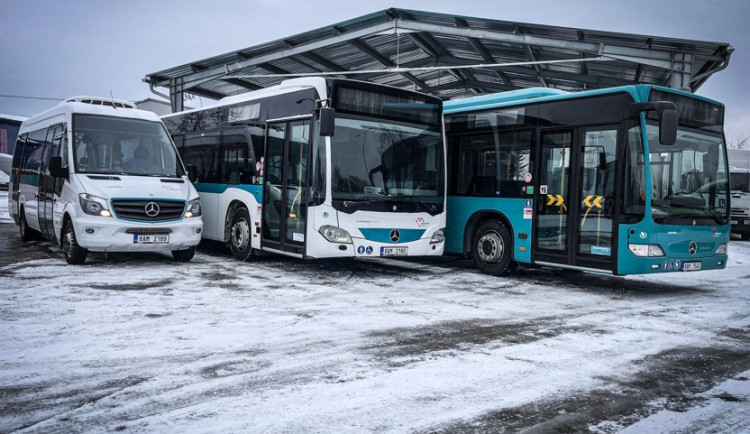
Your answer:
<point x="358" y="203"/>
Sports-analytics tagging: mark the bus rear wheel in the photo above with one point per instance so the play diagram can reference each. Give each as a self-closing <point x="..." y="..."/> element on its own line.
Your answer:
<point x="492" y="248"/>
<point x="74" y="254"/>
<point x="240" y="233"/>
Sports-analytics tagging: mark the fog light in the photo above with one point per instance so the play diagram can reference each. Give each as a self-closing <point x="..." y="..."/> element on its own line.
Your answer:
<point x="197" y="231"/>
<point x="89" y="231"/>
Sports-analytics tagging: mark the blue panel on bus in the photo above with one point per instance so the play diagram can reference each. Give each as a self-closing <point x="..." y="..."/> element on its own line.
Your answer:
<point x="221" y="188"/>
<point x="386" y="235"/>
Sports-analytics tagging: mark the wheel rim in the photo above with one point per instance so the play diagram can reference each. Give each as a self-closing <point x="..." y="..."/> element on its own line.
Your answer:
<point x="241" y="234"/>
<point x="490" y="247"/>
<point x="67" y="243"/>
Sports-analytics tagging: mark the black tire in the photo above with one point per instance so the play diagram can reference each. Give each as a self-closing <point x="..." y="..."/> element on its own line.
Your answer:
<point x="74" y="254"/>
<point x="27" y="234"/>
<point x="240" y="234"/>
<point x="183" y="255"/>
<point x="492" y="248"/>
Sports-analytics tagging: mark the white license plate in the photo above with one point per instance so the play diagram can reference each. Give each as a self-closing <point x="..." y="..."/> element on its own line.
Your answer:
<point x="394" y="251"/>
<point x="747" y="222"/>
<point x="735" y="222"/>
<point x="691" y="266"/>
<point x="150" y="239"/>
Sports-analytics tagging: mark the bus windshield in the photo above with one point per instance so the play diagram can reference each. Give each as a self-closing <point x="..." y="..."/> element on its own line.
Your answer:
<point x="377" y="164"/>
<point x="123" y="146"/>
<point x="689" y="179"/>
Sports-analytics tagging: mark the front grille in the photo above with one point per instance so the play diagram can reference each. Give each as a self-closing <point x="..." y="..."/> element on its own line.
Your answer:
<point x="128" y="209"/>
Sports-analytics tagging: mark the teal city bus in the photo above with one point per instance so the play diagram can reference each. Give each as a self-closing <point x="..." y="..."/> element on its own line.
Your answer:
<point x="625" y="180"/>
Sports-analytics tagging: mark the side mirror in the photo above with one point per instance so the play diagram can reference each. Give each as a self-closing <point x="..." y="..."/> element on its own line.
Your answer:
<point x="668" y="126"/>
<point x="192" y="173"/>
<point x="666" y="112"/>
<point x="327" y="116"/>
<point x="56" y="168"/>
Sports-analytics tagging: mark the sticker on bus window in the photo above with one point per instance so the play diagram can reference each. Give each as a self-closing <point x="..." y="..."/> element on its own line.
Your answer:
<point x="298" y="237"/>
<point x="527" y="177"/>
<point x="527" y="213"/>
<point x="601" y="250"/>
<point x="542" y="189"/>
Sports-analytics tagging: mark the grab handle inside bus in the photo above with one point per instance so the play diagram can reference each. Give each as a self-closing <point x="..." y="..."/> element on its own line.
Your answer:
<point x="666" y="112"/>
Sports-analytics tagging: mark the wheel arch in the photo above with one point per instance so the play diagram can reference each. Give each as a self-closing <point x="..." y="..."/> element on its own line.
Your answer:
<point x="477" y="219"/>
<point x="233" y="206"/>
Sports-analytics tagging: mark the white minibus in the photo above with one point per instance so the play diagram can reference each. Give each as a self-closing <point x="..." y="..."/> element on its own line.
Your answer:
<point x="96" y="174"/>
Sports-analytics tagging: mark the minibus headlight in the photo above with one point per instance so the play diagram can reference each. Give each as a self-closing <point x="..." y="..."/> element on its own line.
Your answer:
<point x="93" y="205"/>
<point x="438" y="236"/>
<point x="193" y="208"/>
<point x="335" y="235"/>
<point x="646" y="250"/>
<point x="722" y="249"/>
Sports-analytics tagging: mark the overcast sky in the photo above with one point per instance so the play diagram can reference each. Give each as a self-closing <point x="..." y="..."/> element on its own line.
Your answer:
<point x="56" y="49"/>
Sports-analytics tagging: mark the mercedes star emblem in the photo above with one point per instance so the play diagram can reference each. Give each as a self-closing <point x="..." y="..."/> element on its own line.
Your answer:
<point x="395" y="236"/>
<point x="152" y="209"/>
<point x="693" y="247"/>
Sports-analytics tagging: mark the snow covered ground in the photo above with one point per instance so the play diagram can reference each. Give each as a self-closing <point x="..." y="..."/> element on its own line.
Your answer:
<point x="138" y="343"/>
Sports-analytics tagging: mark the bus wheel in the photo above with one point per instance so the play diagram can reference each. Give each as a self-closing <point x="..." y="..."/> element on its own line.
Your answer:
<point x="239" y="235"/>
<point x="492" y="248"/>
<point x="183" y="255"/>
<point x="74" y="254"/>
<point x="27" y="234"/>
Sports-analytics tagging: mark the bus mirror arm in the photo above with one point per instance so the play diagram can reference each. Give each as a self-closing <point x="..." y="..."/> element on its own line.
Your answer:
<point x="667" y="114"/>
<point x="56" y="169"/>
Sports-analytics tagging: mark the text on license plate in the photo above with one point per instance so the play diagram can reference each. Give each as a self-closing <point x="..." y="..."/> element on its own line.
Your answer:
<point x="691" y="266"/>
<point x="150" y="239"/>
<point x="394" y="251"/>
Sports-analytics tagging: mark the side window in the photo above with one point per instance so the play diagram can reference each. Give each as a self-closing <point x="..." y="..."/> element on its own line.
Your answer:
<point x="19" y="152"/>
<point x="238" y="164"/>
<point x="490" y="164"/>
<point x="33" y="151"/>
<point x="201" y="150"/>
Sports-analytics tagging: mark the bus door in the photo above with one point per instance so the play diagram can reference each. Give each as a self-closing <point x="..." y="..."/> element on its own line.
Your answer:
<point x="285" y="185"/>
<point x="47" y="183"/>
<point x="575" y="198"/>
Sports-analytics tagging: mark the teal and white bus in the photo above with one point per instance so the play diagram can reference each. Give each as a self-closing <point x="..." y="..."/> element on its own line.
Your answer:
<point x="319" y="168"/>
<point x="625" y="180"/>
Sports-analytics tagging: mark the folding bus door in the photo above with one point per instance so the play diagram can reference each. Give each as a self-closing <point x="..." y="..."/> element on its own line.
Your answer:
<point x="285" y="186"/>
<point x="575" y="199"/>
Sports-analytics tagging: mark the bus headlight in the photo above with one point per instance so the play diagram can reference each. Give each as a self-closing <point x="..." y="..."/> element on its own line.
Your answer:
<point x="438" y="236"/>
<point x="93" y="205"/>
<point x="722" y="249"/>
<point x="645" y="250"/>
<point x="335" y="235"/>
<point x="193" y="208"/>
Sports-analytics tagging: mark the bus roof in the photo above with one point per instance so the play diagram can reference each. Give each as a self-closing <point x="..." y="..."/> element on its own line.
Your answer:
<point x="639" y="92"/>
<point x="89" y="105"/>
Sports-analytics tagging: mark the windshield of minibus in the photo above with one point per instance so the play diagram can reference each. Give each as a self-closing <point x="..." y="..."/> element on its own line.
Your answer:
<point x="689" y="179"/>
<point x="386" y="166"/>
<point x="123" y="146"/>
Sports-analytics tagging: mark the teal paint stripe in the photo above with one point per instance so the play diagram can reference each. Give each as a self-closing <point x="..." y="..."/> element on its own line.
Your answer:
<point x="384" y="235"/>
<point x="221" y="188"/>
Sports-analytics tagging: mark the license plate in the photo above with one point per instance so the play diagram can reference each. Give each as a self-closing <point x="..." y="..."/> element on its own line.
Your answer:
<point x="691" y="266"/>
<point x="150" y="239"/>
<point x="747" y="222"/>
<point x="394" y="251"/>
<point x="735" y="222"/>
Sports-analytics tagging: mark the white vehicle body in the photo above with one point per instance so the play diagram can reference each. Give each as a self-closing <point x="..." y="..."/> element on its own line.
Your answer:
<point x="740" y="210"/>
<point x="118" y="185"/>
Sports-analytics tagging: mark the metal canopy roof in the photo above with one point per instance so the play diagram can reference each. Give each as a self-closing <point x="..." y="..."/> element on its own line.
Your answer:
<point x="451" y="57"/>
